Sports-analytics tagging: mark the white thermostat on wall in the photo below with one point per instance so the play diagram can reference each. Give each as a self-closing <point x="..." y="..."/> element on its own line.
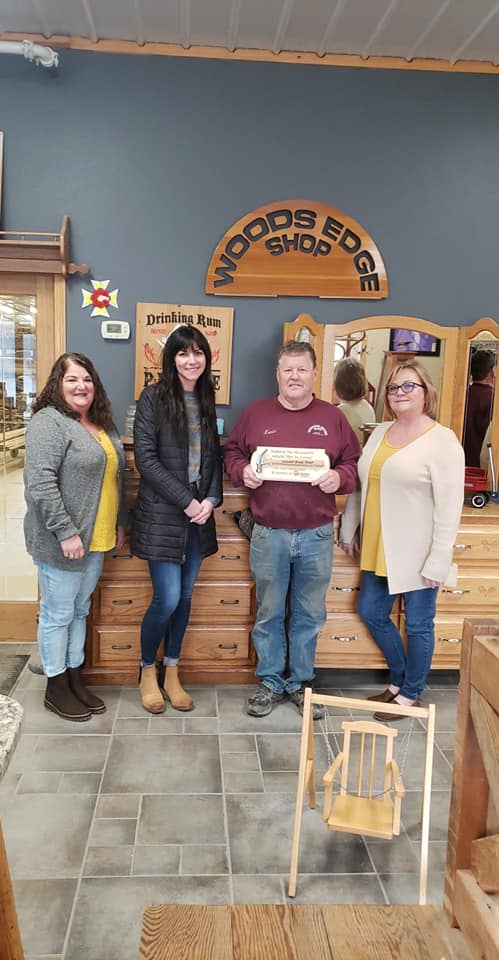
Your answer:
<point x="115" y="329"/>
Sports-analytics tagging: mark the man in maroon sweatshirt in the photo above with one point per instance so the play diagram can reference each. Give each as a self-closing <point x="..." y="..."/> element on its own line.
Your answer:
<point x="292" y="542"/>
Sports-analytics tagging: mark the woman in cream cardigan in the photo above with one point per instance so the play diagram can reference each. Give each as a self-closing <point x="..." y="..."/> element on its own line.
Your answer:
<point x="407" y="512"/>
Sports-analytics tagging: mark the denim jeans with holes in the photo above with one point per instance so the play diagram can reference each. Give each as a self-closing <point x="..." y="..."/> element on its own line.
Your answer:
<point x="408" y="668"/>
<point x="301" y="561"/>
<point x="65" y="597"/>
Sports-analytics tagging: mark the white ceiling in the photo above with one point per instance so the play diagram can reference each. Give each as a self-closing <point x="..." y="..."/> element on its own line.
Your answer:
<point x="449" y="30"/>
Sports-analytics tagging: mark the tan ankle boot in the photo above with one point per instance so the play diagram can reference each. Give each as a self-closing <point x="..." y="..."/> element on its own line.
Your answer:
<point x="178" y="697"/>
<point x="152" y="699"/>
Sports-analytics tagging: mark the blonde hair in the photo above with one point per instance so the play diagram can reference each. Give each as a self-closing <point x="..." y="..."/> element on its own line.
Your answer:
<point x="430" y="403"/>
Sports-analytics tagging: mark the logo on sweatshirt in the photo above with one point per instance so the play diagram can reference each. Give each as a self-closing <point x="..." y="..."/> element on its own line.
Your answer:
<point x="318" y="430"/>
<point x="267" y="432"/>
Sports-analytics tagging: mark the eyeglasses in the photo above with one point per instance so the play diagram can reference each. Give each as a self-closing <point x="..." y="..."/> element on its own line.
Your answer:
<point x="407" y="387"/>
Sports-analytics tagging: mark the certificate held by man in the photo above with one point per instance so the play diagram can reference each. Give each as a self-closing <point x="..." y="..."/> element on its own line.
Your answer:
<point x="289" y="463"/>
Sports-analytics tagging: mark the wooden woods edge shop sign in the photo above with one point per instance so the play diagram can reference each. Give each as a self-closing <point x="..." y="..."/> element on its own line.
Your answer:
<point x="297" y="248"/>
<point x="155" y="322"/>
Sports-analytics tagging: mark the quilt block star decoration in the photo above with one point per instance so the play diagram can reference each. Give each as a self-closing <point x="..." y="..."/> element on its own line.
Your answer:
<point x="100" y="298"/>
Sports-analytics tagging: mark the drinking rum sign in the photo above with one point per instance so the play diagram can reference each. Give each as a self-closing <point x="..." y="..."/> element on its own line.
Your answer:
<point x="155" y="322"/>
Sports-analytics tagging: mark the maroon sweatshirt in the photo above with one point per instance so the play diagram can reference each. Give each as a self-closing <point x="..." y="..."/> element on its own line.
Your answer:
<point x="319" y="426"/>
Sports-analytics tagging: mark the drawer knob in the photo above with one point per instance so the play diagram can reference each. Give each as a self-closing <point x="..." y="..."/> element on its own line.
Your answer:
<point x="229" y="603"/>
<point x="450" y="639"/>
<point x="347" y="589"/>
<point x="121" y="646"/>
<point x="462" y="546"/>
<point x="455" y="593"/>
<point x="345" y="639"/>
<point x="121" y="603"/>
<point x="225" y="556"/>
<point x="227" y="646"/>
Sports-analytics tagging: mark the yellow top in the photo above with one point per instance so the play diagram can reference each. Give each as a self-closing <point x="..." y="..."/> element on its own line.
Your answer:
<point x="104" y="532"/>
<point x="372" y="554"/>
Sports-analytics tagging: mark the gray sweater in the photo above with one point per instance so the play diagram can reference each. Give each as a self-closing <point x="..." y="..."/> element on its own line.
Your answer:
<point x="63" y="474"/>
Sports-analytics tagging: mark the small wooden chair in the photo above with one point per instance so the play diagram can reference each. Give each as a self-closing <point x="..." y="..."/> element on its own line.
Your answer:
<point x="374" y="814"/>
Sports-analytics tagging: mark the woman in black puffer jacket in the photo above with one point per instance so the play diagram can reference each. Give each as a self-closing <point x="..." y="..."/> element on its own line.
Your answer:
<point x="177" y="453"/>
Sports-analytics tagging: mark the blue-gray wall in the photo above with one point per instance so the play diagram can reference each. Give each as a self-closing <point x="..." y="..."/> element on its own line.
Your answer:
<point x="154" y="158"/>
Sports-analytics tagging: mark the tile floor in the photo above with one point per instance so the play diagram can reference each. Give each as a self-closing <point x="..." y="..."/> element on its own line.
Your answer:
<point x="103" y="818"/>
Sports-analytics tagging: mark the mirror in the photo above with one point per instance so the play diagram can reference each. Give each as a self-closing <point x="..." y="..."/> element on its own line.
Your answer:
<point x="380" y="350"/>
<point x="481" y="378"/>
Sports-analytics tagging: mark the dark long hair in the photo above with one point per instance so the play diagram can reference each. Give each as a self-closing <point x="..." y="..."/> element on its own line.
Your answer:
<point x="51" y="395"/>
<point x="170" y="391"/>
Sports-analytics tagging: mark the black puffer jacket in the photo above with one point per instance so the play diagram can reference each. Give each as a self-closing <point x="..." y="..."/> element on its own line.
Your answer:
<point x="159" y="524"/>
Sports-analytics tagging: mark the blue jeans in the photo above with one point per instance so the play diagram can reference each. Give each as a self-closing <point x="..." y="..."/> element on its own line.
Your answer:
<point x="65" y="597"/>
<point x="301" y="561"/>
<point x="408" y="668"/>
<point x="168" y="614"/>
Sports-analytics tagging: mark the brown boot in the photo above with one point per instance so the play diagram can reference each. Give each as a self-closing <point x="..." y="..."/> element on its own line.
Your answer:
<point x="174" y="691"/>
<point x="61" y="700"/>
<point x="94" y="704"/>
<point x="152" y="699"/>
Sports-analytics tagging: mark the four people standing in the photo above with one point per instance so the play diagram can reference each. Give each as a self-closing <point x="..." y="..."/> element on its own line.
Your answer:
<point x="291" y="550"/>
<point x="73" y="480"/>
<point x="177" y="453"/>
<point x="411" y="474"/>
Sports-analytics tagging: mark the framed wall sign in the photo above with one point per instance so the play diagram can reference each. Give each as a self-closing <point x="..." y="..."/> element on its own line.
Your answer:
<point x="155" y="322"/>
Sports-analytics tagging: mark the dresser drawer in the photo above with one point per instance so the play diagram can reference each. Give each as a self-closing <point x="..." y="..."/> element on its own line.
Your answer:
<point x="475" y="546"/>
<point x="343" y="590"/>
<point x="230" y="563"/>
<point x="226" y="524"/>
<point x="116" y="644"/>
<point x="220" y="602"/>
<point x="121" y="602"/>
<point x="472" y="594"/>
<point x="123" y="564"/>
<point x="222" y="643"/>
<point x="344" y="641"/>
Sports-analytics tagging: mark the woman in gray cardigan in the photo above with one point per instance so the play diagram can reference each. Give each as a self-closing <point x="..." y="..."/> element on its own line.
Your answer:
<point x="73" y="480"/>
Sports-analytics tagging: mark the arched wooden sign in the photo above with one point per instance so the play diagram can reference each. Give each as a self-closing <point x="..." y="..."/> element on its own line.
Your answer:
<point x="297" y="248"/>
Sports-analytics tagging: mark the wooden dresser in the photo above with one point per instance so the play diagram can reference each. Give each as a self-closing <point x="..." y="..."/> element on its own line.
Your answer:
<point x="345" y="642"/>
<point x="216" y="647"/>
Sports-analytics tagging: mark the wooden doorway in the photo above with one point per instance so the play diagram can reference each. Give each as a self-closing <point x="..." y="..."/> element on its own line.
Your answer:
<point x="32" y="335"/>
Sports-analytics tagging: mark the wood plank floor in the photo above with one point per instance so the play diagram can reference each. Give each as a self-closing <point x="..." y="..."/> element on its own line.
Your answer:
<point x="299" y="932"/>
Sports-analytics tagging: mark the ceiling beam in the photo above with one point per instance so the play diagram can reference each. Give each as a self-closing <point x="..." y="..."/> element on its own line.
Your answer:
<point x="392" y="5"/>
<point x="40" y="14"/>
<point x="429" y="27"/>
<point x="329" y="31"/>
<point x="90" y="17"/>
<point x="184" y="16"/>
<point x="235" y="18"/>
<point x="138" y="19"/>
<point x="282" y="26"/>
<point x="475" y="33"/>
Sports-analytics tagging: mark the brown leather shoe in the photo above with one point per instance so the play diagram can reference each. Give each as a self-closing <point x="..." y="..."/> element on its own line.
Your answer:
<point x="388" y="717"/>
<point x="386" y="697"/>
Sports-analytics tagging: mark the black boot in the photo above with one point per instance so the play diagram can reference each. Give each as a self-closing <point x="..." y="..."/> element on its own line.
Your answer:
<point x="61" y="700"/>
<point x="94" y="704"/>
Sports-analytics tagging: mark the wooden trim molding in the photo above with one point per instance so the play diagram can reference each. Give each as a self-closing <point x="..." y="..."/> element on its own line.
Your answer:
<point x="199" y="52"/>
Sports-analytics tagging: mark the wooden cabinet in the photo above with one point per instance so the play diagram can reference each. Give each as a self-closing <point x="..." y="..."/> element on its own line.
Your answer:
<point x="344" y="641"/>
<point x="217" y="645"/>
<point x="476" y="593"/>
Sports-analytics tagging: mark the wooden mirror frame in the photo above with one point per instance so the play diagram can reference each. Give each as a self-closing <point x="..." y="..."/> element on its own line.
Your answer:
<point x="465" y="337"/>
<point x="325" y="340"/>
